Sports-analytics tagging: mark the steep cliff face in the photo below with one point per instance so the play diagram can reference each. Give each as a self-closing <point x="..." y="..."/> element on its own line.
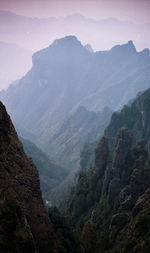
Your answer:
<point x="113" y="198"/>
<point x="129" y="227"/>
<point x="136" y="117"/>
<point x="116" y="171"/>
<point x="51" y="174"/>
<point x="24" y="224"/>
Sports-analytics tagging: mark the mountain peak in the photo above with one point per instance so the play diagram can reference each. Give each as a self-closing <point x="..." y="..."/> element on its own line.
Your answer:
<point x="130" y="42"/>
<point x="68" y="40"/>
<point x="64" y="49"/>
<point x="128" y="48"/>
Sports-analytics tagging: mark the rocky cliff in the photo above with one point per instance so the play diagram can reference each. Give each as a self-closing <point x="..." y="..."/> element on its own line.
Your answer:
<point x="136" y="117"/>
<point x="51" y="173"/>
<point x="112" y="197"/>
<point x="24" y="223"/>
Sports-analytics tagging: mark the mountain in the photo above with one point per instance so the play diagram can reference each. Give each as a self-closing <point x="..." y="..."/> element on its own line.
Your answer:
<point x="135" y="117"/>
<point x="65" y="141"/>
<point x="88" y="47"/>
<point x="67" y="138"/>
<point x="87" y="155"/>
<point x="36" y="33"/>
<point x="25" y="225"/>
<point x="110" y="204"/>
<point x="51" y="174"/>
<point x="14" y="63"/>
<point x="66" y="75"/>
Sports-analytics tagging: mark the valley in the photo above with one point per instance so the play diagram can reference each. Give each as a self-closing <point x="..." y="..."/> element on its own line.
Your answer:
<point x="75" y="174"/>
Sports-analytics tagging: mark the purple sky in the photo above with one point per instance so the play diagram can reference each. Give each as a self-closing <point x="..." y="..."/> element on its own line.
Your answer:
<point x="134" y="10"/>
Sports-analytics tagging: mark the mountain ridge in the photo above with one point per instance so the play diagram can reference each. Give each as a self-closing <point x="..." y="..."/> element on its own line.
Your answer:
<point x="67" y="138"/>
<point x="76" y="24"/>
<point x="110" y="199"/>
<point x="62" y="80"/>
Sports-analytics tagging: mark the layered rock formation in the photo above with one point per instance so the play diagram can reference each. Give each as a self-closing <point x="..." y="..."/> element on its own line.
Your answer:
<point x="113" y="195"/>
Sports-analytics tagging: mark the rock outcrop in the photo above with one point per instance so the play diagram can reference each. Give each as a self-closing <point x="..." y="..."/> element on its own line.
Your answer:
<point x="24" y="223"/>
<point x="115" y="193"/>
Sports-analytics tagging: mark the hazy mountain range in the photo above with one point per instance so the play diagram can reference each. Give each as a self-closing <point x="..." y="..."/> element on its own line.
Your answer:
<point x="67" y="75"/>
<point x="109" y="206"/>
<point x="66" y="139"/>
<point x="64" y="102"/>
<point x="36" y="33"/>
<point x="23" y="35"/>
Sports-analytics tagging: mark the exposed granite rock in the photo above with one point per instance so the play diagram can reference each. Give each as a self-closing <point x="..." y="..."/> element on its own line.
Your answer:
<point x="24" y="226"/>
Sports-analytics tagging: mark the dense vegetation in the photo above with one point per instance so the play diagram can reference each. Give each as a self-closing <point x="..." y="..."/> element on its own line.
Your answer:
<point x="108" y="209"/>
<point x="11" y="240"/>
<point x="110" y="204"/>
<point x="51" y="174"/>
<point x="24" y="223"/>
<point x="109" y="198"/>
<point x="136" y="117"/>
<point x="68" y="137"/>
<point x="65" y="141"/>
<point x="67" y="239"/>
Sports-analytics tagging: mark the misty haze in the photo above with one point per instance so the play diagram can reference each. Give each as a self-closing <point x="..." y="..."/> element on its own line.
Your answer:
<point x="31" y="34"/>
<point x="74" y="126"/>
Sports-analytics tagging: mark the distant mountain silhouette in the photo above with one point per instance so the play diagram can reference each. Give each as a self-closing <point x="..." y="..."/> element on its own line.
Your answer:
<point x="101" y="34"/>
<point x="66" y="75"/>
<point x="66" y="139"/>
